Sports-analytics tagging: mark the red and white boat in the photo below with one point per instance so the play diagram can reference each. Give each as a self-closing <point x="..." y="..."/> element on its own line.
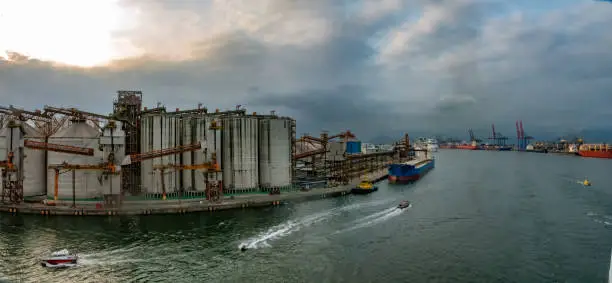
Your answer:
<point x="61" y="258"/>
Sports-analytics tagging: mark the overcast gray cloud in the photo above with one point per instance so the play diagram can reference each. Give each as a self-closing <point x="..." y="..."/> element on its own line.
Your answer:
<point x="375" y="67"/>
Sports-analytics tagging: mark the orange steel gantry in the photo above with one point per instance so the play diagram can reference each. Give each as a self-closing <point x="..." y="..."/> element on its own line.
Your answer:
<point x="212" y="192"/>
<point x="138" y="157"/>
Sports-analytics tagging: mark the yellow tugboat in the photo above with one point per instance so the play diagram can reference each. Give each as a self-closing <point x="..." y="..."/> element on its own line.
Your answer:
<point x="364" y="187"/>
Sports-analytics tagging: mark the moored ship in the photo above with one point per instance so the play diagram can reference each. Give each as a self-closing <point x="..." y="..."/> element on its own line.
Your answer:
<point x="410" y="171"/>
<point x="596" y="150"/>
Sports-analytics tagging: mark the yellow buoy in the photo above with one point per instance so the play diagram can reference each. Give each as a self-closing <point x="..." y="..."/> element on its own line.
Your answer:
<point x="586" y="182"/>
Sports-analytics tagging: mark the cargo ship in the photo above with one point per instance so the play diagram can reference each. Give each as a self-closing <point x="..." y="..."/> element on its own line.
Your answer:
<point x="498" y="148"/>
<point x="472" y="146"/>
<point x="410" y="171"/>
<point x="596" y="150"/>
<point x="468" y="147"/>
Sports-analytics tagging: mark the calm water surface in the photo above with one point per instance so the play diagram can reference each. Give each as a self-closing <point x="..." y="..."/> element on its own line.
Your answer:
<point x="477" y="217"/>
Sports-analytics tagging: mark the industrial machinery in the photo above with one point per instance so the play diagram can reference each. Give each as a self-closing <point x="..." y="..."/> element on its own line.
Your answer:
<point x="138" y="157"/>
<point x="213" y="190"/>
<point x="107" y="168"/>
<point x="65" y="167"/>
<point x="323" y="141"/>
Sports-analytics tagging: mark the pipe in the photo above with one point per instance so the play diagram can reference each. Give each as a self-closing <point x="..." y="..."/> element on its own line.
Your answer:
<point x="56" y="185"/>
<point x="73" y="188"/>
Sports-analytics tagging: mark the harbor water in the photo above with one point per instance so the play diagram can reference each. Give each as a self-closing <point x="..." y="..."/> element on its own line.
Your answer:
<point x="479" y="216"/>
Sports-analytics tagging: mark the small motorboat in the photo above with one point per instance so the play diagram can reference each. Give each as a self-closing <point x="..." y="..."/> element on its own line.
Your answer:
<point x="59" y="259"/>
<point x="243" y="248"/>
<point x="586" y="183"/>
<point x="364" y="187"/>
<point x="403" y="204"/>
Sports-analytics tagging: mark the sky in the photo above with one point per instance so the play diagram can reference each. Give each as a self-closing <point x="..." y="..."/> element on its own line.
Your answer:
<point x="375" y="67"/>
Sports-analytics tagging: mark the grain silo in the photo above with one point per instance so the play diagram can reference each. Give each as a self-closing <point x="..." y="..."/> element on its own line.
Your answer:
<point x="197" y="128"/>
<point x="3" y="146"/>
<point x="34" y="165"/>
<point x="159" y="131"/>
<point x="240" y="153"/>
<point x="112" y="142"/>
<point x="88" y="183"/>
<point x="275" y="138"/>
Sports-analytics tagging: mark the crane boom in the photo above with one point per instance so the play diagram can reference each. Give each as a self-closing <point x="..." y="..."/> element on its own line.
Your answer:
<point x="210" y="165"/>
<point x="58" y="147"/>
<point x="138" y="157"/>
<point x="104" y="166"/>
<point x="74" y="112"/>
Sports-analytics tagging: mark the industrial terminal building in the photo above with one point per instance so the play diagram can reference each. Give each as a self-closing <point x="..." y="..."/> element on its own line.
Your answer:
<point x="65" y="153"/>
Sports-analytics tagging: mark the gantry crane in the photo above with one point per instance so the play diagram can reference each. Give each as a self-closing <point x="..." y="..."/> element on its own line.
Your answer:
<point x="209" y="167"/>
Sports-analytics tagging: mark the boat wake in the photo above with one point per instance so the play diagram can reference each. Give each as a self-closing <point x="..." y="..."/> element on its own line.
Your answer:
<point x="118" y="256"/>
<point x="291" y="226"/>
<point x="610" y="270"/>
<point x="606" y="220"/>
<point x="373" y="219"/>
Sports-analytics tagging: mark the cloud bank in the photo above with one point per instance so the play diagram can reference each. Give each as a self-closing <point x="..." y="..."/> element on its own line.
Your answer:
<point x="375" y="67"/>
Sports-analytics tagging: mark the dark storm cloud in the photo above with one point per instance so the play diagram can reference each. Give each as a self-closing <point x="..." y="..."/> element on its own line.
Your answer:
<point x="465" y="64"/>
<point x="330" y="109"/>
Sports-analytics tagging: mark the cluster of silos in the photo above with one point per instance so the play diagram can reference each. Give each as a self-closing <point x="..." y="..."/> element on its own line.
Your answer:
<point x="87" y="183"/>
<point x="39" y="180"/>
<point x="161" y="130"/>
<point x="254" y="151"/>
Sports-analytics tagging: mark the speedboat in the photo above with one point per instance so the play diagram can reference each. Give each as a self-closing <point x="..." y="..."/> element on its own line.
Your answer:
<point x="403" y="204"/>
<point x="365" y="187"/>
<point x="61" y="258"/>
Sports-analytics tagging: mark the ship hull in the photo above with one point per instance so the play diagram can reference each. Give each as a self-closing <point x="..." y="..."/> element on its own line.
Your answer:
<point x="405" y="173"/>
<point x="468" y="147"/>
<point x="596" y="154"/>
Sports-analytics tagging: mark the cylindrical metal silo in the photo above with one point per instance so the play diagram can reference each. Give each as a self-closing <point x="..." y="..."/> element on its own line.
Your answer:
<point x="34" y="165"/>
<point x="148" y="132"/>
<point x="113" y="149"/>
<point x="188" y="158"/>
<point x="3" y="147"/>
<point x="275" y="152"/>
<point x="240" y="153"/>
<point x="88" y="183"/>
<point x="159" y="131"/>
<point x="211" y="144"/>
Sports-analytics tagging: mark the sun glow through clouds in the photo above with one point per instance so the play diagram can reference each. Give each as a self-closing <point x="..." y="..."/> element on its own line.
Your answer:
<point x="73" y="32"/>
